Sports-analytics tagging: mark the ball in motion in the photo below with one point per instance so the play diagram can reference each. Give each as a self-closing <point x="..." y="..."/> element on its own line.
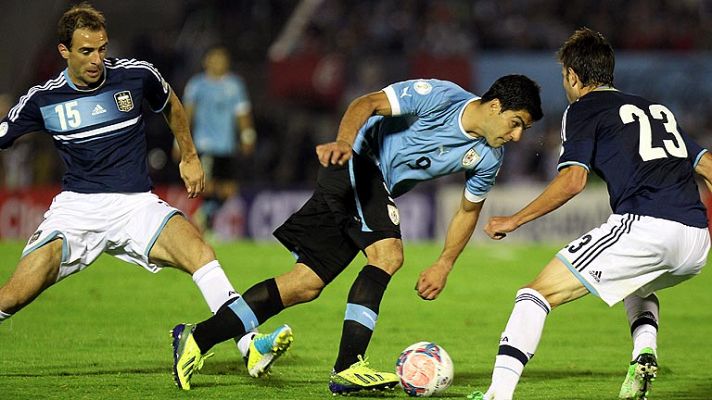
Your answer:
<point x="424" y="368"/>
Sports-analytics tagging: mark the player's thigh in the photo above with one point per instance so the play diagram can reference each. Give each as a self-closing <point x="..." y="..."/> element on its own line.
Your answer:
<point x="376" y="224"/>
<point x="180" y="245"/>
<point x="557" y="284"/>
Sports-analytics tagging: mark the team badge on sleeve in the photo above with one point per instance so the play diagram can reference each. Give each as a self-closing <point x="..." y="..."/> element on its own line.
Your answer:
<point x="3" y="129"/>
<point x="422" y="87"/>
<point x="124" y="101"/>
<point x="471" y="158"/>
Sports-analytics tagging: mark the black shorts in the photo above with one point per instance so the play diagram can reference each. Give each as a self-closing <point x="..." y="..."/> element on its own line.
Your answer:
<point x="218" y="167"/>
<point x="338" y="221"/>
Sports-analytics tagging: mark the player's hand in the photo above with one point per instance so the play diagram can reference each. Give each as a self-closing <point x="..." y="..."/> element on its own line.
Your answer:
<point x="498" y="227"/>
<point x="432" y="280"/>
<point x="338" y="152"/>
<point x="191" y="171"/>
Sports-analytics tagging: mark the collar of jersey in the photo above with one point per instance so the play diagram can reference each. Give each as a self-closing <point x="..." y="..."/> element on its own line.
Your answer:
<point x="603" y="88"/>
<point x="459" y="119"/>
<point x="73" y="86"/>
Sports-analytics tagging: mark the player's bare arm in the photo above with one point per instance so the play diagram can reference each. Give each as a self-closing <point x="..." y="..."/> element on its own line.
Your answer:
<point x="564" y="187"/>
<point x="704" y="169"/>
<point x="432" y="280"/>
<point x="190" y="169"/>
<point x="358" y="112"/>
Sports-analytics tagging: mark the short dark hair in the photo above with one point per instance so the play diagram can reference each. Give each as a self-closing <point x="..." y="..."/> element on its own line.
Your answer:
<point x="516" y="92"/>
<point x="80" y="16"/>
<point x="590" y="56"/>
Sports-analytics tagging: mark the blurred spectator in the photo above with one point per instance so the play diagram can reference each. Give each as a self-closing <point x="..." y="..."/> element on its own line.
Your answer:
<point x="219" y="111"/>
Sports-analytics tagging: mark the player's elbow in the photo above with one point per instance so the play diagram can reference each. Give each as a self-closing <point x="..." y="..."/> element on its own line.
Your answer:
<point x="573" y="180"/>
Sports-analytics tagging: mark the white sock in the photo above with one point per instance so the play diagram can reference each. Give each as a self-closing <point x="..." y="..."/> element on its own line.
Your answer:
<point x="643" y="315"/>
<point x="644" y="336"/>
<point x="243" y="344"/>
<point x="4" y="316"/>
<point x="214" y="285"/>
<point x="518" y="342"/>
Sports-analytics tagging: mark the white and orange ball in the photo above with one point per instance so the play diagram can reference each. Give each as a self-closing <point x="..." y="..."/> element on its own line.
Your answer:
<point x="424" y="368"/>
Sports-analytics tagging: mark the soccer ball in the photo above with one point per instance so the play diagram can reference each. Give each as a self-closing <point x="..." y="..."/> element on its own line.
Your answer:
<point x="424" y="368"/>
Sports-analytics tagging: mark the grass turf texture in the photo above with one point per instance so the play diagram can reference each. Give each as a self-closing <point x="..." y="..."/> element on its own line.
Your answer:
<point x="103" y="333"/>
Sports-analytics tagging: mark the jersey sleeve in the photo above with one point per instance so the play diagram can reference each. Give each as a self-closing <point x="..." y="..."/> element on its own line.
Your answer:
<point x="577" y="139"/>
<point x="156" y="89"/>
<point x="423" y="98"/>
<point x="242" y="99"/>
<point x="191" y="91"/>
<point x="694" y="150"/>
<point x="24" y="118"/>
<point x="481" y="178"/>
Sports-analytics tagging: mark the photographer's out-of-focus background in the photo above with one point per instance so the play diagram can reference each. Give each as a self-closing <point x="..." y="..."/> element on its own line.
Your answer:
<point x="303" y="61"/>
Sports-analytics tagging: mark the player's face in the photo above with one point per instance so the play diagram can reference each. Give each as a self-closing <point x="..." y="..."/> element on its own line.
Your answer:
<point x="85" y="59"/>
<point x="507" y="126"/>
<point x="217" y="62"/>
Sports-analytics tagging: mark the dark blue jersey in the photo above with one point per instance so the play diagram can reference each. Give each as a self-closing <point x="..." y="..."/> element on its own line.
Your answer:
<point x="637" y="147"/>
<point x="99" y="132"/>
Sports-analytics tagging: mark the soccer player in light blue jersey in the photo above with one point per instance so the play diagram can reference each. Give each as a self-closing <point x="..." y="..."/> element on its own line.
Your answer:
<point x="93" y="111"/>
<point x="219" y="108"/>
<point x="388" y="141"/>
<point x="657" y="236"/>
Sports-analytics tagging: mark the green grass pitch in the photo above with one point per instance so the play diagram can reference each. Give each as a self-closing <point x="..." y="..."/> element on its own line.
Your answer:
<point x="103" y="333"/>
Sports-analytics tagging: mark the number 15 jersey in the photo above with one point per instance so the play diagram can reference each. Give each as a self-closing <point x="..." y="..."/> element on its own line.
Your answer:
<point x="639" y="150"/>
<point x="98" y="132"/>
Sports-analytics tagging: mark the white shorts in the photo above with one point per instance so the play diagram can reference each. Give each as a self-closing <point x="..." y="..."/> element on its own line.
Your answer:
<point x="636" y="254"/>
<point x="125" y="225"/>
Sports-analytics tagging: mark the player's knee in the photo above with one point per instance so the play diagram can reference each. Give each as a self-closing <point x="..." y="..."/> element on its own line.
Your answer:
<point x="387" y="255"/>
<point x="299" y="285"/>
<point x="207" y="253"/>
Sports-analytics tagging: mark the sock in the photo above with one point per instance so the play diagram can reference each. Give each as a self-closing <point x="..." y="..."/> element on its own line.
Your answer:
<point x="518" y="342"/>
<point x="361" y="315"/>
<point x="240" y="315"/>
<point x="4" y="316"/>
<point x="214" y="285"/>
<point x="243" y="343"/>
<point x="643" y="316"/>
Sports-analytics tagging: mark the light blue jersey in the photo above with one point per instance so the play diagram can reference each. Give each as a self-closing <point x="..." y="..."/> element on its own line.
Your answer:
<point x="216" y="103"/>
<point x="424" y="139"/>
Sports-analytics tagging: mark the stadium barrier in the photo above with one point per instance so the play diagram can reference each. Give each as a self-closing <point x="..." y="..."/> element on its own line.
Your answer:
<point x="424" y="213"/>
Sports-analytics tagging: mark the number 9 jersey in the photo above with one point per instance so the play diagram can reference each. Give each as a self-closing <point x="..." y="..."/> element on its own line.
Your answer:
<point x="424" y="139"/>
<point x="99" y="132"/>
<point x="639" y="150"/>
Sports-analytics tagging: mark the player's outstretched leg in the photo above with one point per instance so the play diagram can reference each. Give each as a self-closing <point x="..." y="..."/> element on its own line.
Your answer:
<point x="187" y="357"/>
<point x="265" y="349"/>
<point x="641" y="373"/>
<point x="359" y="376"/>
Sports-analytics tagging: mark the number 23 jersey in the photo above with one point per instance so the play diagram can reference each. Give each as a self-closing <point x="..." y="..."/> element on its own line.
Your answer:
<point x="639" y="150"/>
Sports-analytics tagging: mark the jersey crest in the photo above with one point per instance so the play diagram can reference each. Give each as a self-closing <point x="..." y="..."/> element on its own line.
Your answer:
<point x="471" y="158"/>
<point x="124" y="101"/>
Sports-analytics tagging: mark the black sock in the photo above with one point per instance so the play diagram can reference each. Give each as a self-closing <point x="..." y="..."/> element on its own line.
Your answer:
<point x="240" y="315"/>
<point x="361" y="315"/>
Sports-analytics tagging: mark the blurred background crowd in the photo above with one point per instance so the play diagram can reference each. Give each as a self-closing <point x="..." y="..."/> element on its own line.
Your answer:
<point x="303" y="61"/>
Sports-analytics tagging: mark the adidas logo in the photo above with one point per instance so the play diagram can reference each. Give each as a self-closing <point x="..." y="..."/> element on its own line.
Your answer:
<point x="98" y="109"/>
<point x="596" y="275"/>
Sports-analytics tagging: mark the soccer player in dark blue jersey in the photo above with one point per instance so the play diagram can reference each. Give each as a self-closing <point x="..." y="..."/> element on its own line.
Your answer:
<point x="656" y="237"/>
<point x="93" y="111"/>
